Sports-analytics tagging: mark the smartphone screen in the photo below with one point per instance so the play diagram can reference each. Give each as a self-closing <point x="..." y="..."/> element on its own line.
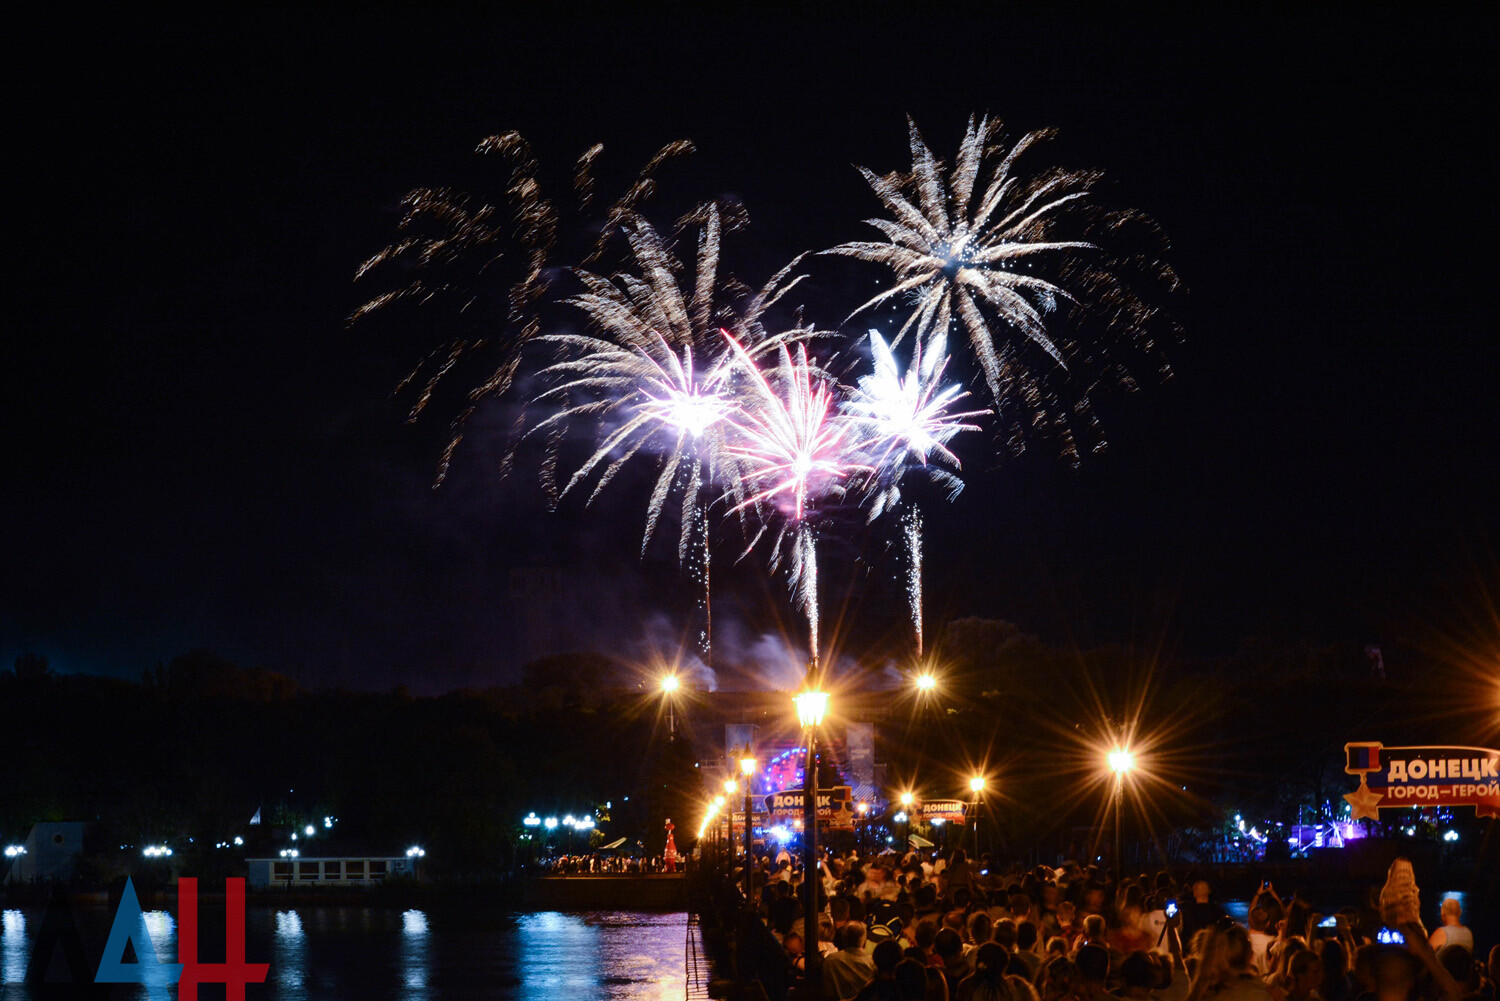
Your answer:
<point x="1390" y="936"/>
<point x="1171" y="909"/>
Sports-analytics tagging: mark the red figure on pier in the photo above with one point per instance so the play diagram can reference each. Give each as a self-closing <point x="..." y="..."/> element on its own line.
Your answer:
<point x="669" y="857"/>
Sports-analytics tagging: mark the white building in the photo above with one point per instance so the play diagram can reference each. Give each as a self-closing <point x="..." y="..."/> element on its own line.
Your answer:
<point x="289" y="873"/>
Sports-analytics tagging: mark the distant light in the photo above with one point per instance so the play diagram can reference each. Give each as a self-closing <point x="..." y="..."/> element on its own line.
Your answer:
<point x="14" y="851"/>
<point x="310" y="830"/>
<point x="926" y="682"/>
<point x="568" y="820"/>
<point x="532" y="820"/>
<point x="864" y="808"/>
<point x="977" y="783"/>
<point x="938" y="821"/>
<point x="327" y="822"/>
<point x="1121" y="761"/>
<point x="1450" y="836"/>
<point x="900" y="818"/>
<point x="415" y="852"/>
<point x="906" y="799"/>
<point x="239" y="840"/>
<point x="583" y="823"/>
<point x="550" y="823"/>
<point x="731" y="787"/>
<point x="294" y="835"/>
<point x="156" y="851"/>
<point x="670" y="684"/>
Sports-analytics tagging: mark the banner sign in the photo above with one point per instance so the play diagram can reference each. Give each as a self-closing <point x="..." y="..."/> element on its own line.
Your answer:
<point x="835" y="807"/>
<point x="1393" y="777"/>
<point x="949" y="811"/>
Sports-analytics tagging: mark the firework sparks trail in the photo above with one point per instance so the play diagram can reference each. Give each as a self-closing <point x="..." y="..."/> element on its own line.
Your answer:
<point x="911" y="535"/>
<point x="910" y="420"/>
<point x="656" y="378"/>
<point x="1003" y="255"/>
<point x="797" y="452"/>
<point x="490" y="266"/>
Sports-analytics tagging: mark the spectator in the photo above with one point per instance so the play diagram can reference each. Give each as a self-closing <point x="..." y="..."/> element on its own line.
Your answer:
<point x="846" y="971"/>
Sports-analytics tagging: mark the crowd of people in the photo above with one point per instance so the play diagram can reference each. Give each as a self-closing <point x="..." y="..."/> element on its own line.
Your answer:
<point x="596" y="864"/>
<point x="948" y="928"/>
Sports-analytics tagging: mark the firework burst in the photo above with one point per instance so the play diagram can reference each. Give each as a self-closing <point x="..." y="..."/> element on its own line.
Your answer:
<point x="1000" y="250"/>
<point x="484" y="271"/>
<point x="655" y="378"/>
<point x="909" y="420"/>
<point x="796" y="452"/>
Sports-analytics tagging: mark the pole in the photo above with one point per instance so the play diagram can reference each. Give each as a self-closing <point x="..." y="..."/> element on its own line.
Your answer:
<point x="976" y="830"/>
<point x="1119" y="857"/>
<point x="810" y="880"/>
<point x="749" y="851"/>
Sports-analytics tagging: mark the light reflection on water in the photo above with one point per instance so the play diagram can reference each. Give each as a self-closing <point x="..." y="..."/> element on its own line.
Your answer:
<point x="318" y="952"/>
<point x="13" y="947"/>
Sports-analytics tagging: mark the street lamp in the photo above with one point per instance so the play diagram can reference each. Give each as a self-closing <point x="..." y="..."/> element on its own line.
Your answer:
<point x="669" y="686"/>
<point x="862" y="809"/>
<point x="1120" y="762"/>
<point x="811" y="706"/>
<point x="906" y="801"/>
<point x="730" y="788"/>
<point x="926" y="682"/>
<point x="747" y="769"/>
<point x="976" y="785"/>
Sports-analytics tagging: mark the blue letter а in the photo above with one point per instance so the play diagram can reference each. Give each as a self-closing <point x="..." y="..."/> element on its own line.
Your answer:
<point x="130" y="926"/>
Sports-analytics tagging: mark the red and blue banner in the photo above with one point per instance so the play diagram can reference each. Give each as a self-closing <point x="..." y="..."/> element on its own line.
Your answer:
<point x="1393" y="777"/>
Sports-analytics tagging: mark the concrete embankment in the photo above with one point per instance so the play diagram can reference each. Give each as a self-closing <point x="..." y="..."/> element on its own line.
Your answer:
<point x="657" y="892"/>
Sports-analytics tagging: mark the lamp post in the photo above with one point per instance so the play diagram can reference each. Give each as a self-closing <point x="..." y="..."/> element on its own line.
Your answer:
<point x="811" y="705"/>
<point x="718" y="805"/>
<point x="1120" y="762"/>
<point x="976" y="785"/>
<point x="669" y="686"/>
<point x="862" y="818"/>
<point x="906" y="801"/>
<point x="747" y="769"/>
<point x="730" y="788"/>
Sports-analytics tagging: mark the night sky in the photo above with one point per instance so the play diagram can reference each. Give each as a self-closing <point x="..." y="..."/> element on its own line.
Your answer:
<point x="198" y="453"/>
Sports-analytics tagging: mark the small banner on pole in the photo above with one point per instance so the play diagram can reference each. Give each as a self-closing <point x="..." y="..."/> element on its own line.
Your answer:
<point x="835" y="807"/>
<point x="1393" y="777"/>
<point x="949" y="811"/>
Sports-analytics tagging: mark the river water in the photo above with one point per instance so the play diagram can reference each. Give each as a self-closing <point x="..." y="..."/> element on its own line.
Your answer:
<point x="320" y="951"/>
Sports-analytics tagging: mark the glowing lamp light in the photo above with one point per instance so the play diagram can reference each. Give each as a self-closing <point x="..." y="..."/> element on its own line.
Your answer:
<point x="239" y="840"/>
<point x="863" y="808"/>
<point x="327" y="823"/>
<point x="811" y="707"/>
<point x="415" y="852"/>
<point x="906" y="799"/>
<point x="900" y="818"/>
<point x="14" y="851"/>
<point x="670" y="684"/>
<point x="1450" y="836"/>
<point x="309" y="830"/>
<point x="718" y="802"/>
<point x="1121" y="761"/>
<point x="926" y="682"/>
<point x="747" y="765"/>
<point x="156" y="851"/>
<point x="977" y="783"/>
<point x="938" y="821"/>
<point x="583" y="823"/>
<point x="550" y="823"/>
<point x="532" y="820"/>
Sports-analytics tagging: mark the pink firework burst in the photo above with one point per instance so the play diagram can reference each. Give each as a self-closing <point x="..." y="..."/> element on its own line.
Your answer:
<point x="794" y="448"/>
